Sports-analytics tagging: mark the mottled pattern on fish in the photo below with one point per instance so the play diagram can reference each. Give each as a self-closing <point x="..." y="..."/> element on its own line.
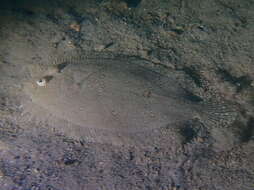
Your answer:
<point x="112" y="99"/>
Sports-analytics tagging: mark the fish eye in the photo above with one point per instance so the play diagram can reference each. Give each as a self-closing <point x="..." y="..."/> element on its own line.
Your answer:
<point x="41" y="82"/>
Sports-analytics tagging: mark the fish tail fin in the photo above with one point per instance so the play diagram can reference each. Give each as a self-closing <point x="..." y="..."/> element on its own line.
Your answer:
<point x="217" y="114"/>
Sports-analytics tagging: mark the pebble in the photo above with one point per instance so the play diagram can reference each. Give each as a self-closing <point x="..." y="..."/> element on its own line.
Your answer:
<point x="1" y="174"/>
<point x="75" y="26"/>
<point x="3" y="146"/>
<point x="99" y="47"/>
<point x="200" y="139"/>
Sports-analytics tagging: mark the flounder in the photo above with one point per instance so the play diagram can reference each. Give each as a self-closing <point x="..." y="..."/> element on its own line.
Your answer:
<point x="111" y="102"/>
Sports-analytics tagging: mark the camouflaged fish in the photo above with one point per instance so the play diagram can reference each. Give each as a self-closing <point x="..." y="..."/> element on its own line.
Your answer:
<point x="112" y="101"/>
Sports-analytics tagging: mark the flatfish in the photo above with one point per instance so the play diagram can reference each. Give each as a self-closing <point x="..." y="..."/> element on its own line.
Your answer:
<point x="112" y="101"/>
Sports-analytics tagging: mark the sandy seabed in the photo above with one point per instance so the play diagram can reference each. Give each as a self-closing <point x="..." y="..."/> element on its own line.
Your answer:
<point x="196" y="52"/>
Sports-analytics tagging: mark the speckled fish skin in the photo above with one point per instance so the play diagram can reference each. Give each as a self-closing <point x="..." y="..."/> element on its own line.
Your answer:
<point x="104" y="100"/>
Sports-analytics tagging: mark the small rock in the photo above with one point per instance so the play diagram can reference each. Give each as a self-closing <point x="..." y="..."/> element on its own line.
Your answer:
<point x="200" y="139"/>
<point x="70" y="44"/>
<point x="76" y="27"/>
<point x="36" y="170"/>
<point x="3" y="146"/>
<point x="99" y="47"/>
<point x="35" y="187"/>
<point x="1" y="174"/>
<point x="102" y="47"/>
<point x="147" y="94"/>
<point x="60" y="163"/>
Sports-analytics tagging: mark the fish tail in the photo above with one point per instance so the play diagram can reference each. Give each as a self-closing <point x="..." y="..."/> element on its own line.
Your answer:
<point x="217" y="114"/>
